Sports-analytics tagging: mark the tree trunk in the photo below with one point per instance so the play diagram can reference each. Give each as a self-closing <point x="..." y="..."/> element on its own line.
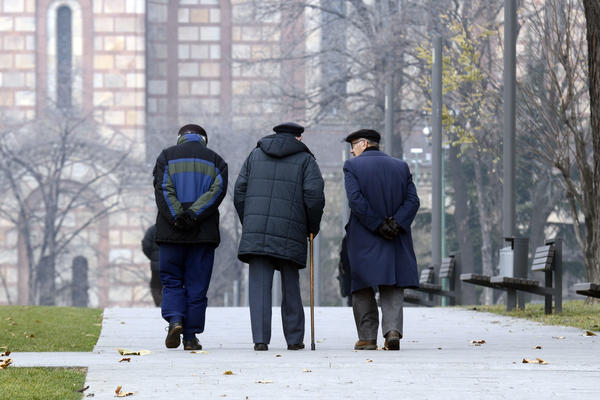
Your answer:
<point x="486" y="234"/>
<point x="592" y="16"/>
<point x="461" y="218"/>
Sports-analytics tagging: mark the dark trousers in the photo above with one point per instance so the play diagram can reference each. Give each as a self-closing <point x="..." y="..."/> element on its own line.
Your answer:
<point x="366" y="314"/>
<point x="156" y="287"/>
<point x="185" y="272"/>
<point x="292" y="312"/>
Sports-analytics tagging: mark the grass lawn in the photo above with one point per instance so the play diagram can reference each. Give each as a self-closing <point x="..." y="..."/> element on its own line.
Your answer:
<point x="575" y="313"/>
<point x="37" y="328"/>
<point x="41" y="383"/>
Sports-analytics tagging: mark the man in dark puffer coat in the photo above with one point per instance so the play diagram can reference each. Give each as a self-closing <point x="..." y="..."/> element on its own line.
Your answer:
<point x="279" y="199"/>
<point x="190" y="181"/>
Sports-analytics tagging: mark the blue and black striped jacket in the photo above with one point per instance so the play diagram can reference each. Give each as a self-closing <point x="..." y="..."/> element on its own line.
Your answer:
<point x="189" y="175"/>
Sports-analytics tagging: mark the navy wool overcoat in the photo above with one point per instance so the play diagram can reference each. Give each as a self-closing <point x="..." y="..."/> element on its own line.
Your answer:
<point x="380" y="186"/>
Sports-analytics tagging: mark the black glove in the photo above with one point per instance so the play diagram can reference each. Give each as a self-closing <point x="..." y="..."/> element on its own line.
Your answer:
<point x="186" y="221"/>
<point x="388" y="229"/>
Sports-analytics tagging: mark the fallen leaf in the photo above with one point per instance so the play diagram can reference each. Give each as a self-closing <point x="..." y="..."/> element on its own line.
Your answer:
<point x="538" y="347"/>
<point x="227" y="373"/>
<point x="590" y="333"/>
<point x="125" y="352"/>
<point x="558" y="337"/>
<point x="199" y="352"/>
<point x="477" y="342"/>
<point x="264" y="381"/>
<point x="277" y="355"/>
<point x="5" y="354"/>
<point x="29" y="335"/>
<point x="306" y="370"/>
<point x="536" y="361"/>
<point x="82" y="389"/>
<point x="5" y="363"/>
<point x="122" y="394"/>
<point x="369" y="360"/>
<point x="122" y="322"/>
<point x="128" y="359"/>
<point x="439" y="348"/>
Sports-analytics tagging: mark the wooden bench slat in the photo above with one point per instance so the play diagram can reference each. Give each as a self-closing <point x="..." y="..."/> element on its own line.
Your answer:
<point x="588" y="289"/>
<point x="514" y="282"/>
<point x="430" y="287"/>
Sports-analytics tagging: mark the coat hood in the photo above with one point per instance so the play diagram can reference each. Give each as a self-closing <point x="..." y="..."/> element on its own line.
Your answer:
<point x="281" y="145"/>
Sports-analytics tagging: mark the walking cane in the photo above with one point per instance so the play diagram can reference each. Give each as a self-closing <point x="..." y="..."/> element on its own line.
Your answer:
<point x="312" y="295"/>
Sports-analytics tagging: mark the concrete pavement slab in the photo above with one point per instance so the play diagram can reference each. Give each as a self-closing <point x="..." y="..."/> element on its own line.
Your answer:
<point x="436" y="359"/>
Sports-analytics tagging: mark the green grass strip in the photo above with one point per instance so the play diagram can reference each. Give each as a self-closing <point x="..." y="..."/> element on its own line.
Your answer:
<point x="42" y="383"/>
<point x="575" y="313"/>
<point x="39" y="328"/>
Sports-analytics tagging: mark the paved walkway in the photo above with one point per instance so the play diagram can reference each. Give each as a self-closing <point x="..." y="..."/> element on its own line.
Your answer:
<point x="436" y="359"/>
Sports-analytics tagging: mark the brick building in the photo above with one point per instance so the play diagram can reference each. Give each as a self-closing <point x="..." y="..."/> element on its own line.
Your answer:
<point x="142" y="67"/>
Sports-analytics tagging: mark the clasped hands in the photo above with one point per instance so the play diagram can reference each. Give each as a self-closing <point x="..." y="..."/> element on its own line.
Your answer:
<point x="186" y="221"/>
<point x="389" y="229"/>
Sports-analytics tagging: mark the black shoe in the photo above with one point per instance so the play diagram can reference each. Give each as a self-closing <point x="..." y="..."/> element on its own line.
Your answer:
<point x="192" y="344"/>
<point x="296" y="346"/>
<point x="261" y="347"/>
<point x="392" y="340"/>
<point x="173" y="335"/>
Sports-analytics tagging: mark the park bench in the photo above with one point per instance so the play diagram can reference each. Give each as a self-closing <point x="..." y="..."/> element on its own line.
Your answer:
<point x="547" y="259"/>
<point x="588" y="289"/>
<point x="449" y="270"/>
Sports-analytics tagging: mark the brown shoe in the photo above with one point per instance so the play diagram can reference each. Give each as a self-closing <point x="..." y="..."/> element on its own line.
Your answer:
<point x="392" y="340"/>
<point x="366" y="345"/>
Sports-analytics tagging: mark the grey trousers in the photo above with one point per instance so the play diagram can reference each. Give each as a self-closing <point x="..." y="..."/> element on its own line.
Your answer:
<point x="292" y="312"/>
<point x="366" y="314"/>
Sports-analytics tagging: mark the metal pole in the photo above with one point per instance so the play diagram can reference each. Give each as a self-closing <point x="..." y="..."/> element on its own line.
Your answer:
<point x="389" y="118"/>
<point x="508" y="193"/>
<point x="436" y="138"/>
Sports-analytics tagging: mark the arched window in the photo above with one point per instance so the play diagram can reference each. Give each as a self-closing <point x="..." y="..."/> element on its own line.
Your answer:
<point x="64" y="57"/>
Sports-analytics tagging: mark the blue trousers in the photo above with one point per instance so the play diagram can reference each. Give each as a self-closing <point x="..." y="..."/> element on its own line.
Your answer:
<point x="185" y="272"/>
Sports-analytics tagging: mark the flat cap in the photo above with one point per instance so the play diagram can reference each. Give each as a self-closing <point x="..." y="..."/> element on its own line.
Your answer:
<point x="370" y="134"/>
<point x="289" y="127"/>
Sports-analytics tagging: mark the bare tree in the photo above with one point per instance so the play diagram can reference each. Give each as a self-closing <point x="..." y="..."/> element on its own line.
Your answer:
<point x="558" y="111"/>
<point x="61" y="175"/>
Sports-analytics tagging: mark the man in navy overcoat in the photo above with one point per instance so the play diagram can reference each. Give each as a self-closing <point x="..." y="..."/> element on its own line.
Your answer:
<point x="383" y="202"/>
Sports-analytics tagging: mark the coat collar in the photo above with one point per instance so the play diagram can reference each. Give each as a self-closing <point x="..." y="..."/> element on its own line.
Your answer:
<point x="190" y="137"/>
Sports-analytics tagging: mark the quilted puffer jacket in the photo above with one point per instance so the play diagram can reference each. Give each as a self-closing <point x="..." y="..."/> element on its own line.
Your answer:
<point x="279" y="199"/>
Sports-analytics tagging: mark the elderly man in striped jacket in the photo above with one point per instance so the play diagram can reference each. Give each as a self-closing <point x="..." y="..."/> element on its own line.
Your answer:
<point x="190" y="181"/>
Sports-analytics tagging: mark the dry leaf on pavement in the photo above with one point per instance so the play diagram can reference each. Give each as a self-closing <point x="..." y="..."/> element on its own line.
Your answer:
<point x="199" y="352"/>
<point x="590" y="333"/>
<point x="228" y="373"/>
<point x="536" y="361"/>
<point x="128" y="359"/>
<point x="264" y="381"/>
<point x="122" y="394"/>
<point x="306" y="370"/>
<point x="83" y="389"/>
<point x="125" y="352"/>
<point x="5" y="363"/>
<point x="538" y="347"/>
<point x="5" y="354"/>
<point x="369" y="360"/>
<point x="277" y="355"/>
<point x="477" y="342"/>
<point x="558" y="337"/>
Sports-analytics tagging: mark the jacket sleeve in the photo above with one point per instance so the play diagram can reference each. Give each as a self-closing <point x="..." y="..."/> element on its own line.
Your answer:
<point x="314" y="196"/>
<point x="164" y="190"/>
<point x="209" y="201"/>
<point x="405" y="215"/>
<point x="358" y="203"/>
<point x="241" y="185"/>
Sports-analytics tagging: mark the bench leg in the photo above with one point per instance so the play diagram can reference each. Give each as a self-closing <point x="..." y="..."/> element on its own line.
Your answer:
<point x="511" y="299"/>
<point x="548" y="304"/>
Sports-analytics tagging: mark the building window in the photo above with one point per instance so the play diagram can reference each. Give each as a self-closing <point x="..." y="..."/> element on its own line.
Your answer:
<point x="64" y="57"/>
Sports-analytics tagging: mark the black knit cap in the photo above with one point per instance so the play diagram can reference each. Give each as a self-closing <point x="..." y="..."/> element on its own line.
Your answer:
<point x="289" y="127"/>
<point x="369" y="134"/>
<point x="193" y="128"/>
